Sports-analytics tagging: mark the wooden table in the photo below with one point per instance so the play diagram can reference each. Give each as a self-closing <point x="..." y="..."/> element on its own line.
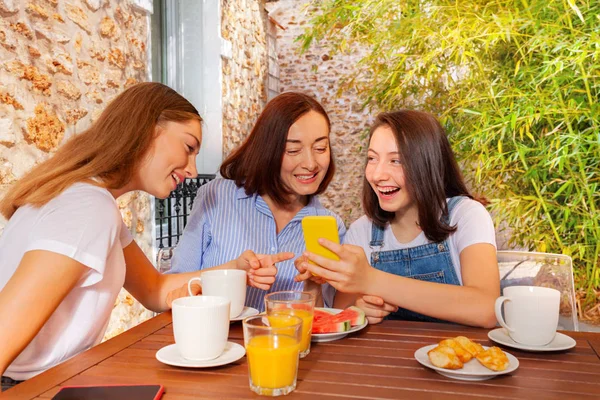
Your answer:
<point x="376" y="362"/>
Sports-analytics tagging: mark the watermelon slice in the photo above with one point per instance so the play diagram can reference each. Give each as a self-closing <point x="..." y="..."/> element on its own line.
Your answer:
<point x="355" y="315"/>
<point x="331" y="327"/>
<point x="326" y="321"/>
<point x="321" y="314"/>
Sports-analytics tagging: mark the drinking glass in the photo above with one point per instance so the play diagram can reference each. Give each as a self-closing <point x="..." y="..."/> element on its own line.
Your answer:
<point x="272" y="349"/>
<point x="163" y="259"/>
<point x="299" y="304"/>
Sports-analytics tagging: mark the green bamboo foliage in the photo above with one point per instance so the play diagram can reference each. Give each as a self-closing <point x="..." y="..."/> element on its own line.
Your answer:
<point x="517" y="85"/>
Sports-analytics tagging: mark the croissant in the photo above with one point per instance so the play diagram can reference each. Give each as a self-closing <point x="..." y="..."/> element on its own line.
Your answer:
<point x="472" y="347"/>
<point x="493" y="358"/>
<point x="461" y="352"/>
<point x="444" y="357"/>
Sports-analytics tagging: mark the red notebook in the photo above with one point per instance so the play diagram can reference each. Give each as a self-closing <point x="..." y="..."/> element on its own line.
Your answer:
<point x="110" y="392"/>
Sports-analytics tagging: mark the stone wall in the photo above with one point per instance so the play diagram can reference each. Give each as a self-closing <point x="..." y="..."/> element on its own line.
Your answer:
<point x="244" y="24"/>
<point x="317" y="73"/>
<point x="61" y="63"/>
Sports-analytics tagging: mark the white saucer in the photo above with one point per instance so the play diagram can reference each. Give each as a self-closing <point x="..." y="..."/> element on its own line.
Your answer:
<point x="560" y="341"/>
<point x="472" y="370"/>
<point x="170" y="355"/>
<point x="246" y="312"/>
<point x="329" y="337"/>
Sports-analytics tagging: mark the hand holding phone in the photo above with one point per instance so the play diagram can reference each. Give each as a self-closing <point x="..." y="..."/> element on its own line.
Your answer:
<point x="316" y="227"/>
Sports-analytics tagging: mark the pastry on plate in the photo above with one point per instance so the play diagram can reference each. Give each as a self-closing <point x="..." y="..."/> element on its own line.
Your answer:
<point x="444" y="357"/>
<point x="461" y="352"/>
<point x="472" y="347"/>
<point x="493" y="358"/>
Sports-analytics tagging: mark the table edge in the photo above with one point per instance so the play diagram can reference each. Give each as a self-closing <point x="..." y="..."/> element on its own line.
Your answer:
<point x="45" y="381"/>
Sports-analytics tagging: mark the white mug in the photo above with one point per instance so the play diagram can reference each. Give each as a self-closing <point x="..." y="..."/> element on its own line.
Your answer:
<point x="230" y="283"/>
<point x="201" y="326"/>
<point x="530" y="314"/>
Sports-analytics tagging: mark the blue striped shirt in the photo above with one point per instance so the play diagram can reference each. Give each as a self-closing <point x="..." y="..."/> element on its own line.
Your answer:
<point x="225" y="222"/>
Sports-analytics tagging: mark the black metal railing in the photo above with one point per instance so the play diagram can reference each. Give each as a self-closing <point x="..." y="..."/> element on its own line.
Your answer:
<point x="172" y="213"/>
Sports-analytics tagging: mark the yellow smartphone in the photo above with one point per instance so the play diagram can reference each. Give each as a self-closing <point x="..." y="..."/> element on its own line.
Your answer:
<point x="315" y="227"/>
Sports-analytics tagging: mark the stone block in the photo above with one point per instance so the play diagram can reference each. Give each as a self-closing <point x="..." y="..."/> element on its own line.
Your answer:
<point x="7" y="134"/>
<point x="7" y="39"/>
<point x="114" y="78"/>
<point x="139" y="227"/>
<point x="77" y="42"/>
<point x="7" y="98"/>
<point x="9" y="6"/>
<point x="22" y="28"/>
<point x="116" y="57"/>
<point x="37" y="10"/>
<point x="108" y="28"/>
<point x="130" y="82"/>
<point x="75" y="114"/>
<point x="60" y="62"/>
<point x="33" y="51"/>
<point x="6" y="175"/>
<point x="44" y="130"/>
<point x="124" y="17"/>
<point x="136" y="42"/>
<point x="40" y="82"/>
<point x="94" y="96"/>
<point x="52" y="34"/>
<point x="88" y="73"/>
<point x="78" y="15"/>
<point x="95" y="114"/>
<point x="127" y="217"/>
<point x="97" y="51"/>
<point x="68" y="90"/>
<point x="28" y="156"/>
<point x="139" y="65"/>
<point x="15" y="67"/>
<point x="94" y="5"/>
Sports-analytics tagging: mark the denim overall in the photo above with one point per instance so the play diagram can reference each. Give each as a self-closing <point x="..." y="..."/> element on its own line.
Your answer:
<point x="429" y="262"/>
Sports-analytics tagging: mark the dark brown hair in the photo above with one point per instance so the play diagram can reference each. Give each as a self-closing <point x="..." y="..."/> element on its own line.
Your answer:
<point x="431" y="171"/>
<point x="111" y="149"/>
<point x="256" y="164"/>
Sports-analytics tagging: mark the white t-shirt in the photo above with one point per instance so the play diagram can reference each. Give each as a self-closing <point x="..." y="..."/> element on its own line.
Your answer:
<point x="473" y="225"/>
<point x="83" y="223"/>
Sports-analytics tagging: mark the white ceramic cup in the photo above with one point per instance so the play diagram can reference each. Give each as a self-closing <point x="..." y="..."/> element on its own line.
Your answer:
<point x="530" y="314"/>
<point x="201" y="326"/>
<point x="230" y="283"/>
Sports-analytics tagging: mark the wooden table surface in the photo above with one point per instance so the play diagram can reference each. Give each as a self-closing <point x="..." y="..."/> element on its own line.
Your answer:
<point x="376" y="362"/>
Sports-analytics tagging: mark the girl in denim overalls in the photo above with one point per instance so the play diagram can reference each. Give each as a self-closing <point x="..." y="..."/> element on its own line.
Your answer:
<point x="425" y="250"/>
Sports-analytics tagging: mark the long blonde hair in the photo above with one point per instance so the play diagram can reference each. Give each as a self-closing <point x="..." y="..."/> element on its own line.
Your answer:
<point x="111" y="149"/>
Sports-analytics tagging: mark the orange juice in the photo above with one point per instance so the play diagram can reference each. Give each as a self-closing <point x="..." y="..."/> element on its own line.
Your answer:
<point x="307" y="319"/>
<point x="273" y="361"/>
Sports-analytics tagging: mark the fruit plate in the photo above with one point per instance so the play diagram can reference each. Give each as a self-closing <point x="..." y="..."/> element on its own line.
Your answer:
<point x="472" y="371"/>
<point x="328" y="337"/>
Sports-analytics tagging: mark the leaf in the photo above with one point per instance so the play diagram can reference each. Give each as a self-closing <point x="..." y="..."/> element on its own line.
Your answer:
<point x="576" y="9"/>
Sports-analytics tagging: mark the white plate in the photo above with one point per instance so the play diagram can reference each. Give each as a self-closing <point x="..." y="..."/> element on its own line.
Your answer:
<point x="560" y="341"/>
<point x="472" y="371"/>
<point x="328" y="337"/>
<point x="170" y="355"/>
<point x="246" y="312"/>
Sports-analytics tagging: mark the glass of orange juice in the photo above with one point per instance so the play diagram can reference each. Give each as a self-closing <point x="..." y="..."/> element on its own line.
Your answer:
<point x="299" y="304"/>
<point x="272" y="349"/>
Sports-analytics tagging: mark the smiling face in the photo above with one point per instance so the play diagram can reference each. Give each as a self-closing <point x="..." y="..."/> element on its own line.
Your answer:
<point x="172" y="157"/>
<point x="385" y="172"/>
<point x="307" y="154"/>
